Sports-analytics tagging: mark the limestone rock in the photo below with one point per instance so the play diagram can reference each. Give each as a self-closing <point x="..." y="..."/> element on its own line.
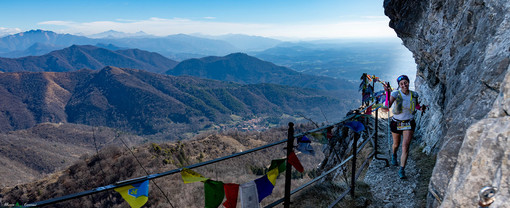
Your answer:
<point x="484" y="157"/>
<point x="462" y="52"/>
<point x="483" y="160"/>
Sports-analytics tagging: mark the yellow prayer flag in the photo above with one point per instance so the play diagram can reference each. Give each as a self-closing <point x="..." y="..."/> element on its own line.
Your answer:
<point x="272" y="175"/>
<point x="189" y="176"/>
<point x="136" y="195"/>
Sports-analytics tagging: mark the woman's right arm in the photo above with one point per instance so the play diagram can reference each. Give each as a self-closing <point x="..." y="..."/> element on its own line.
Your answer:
<point x="388" y="93"/>
<point x="392" y="99"/>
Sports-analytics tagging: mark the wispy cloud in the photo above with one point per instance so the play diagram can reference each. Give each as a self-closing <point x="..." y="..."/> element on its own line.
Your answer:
<point x="8" y="31"/>
<point x="366" y="27"/>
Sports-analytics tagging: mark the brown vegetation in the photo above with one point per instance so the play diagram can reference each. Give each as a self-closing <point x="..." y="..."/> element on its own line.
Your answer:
<point x="114" y="164"/>
<point x="148" y="104"/>
<point x="29" y="154"/>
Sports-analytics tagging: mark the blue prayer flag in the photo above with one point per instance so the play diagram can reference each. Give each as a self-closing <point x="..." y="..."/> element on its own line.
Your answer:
<point x="264" y="187"/>
<point x="356" y="126"/>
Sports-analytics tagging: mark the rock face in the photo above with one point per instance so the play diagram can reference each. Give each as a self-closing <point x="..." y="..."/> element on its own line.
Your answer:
<point x="462" y="52"/>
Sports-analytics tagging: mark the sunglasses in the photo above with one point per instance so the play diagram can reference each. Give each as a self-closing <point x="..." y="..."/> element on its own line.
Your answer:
<point x="402" y="78"/>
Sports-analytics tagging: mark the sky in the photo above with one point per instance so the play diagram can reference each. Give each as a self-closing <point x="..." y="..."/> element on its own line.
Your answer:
<point x="282" y="19"/>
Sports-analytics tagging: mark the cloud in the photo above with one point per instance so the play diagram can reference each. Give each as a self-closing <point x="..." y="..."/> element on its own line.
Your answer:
<point x="8" y="31"/>
<point x="368" y="27"/>
<point x="60" y="23"/>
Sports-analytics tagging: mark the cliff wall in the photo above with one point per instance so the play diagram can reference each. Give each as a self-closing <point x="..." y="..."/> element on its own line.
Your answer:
<point x="462" y="51"/>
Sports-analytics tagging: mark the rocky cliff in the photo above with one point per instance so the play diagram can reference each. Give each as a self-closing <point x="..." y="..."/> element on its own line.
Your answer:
<point x="462" y="52"/>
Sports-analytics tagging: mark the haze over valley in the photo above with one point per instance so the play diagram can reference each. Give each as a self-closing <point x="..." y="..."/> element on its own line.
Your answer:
<point x="66" y="97"/>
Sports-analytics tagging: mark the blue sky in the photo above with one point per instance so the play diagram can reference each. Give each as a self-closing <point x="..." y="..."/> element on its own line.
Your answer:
<point x="294" y="19"/>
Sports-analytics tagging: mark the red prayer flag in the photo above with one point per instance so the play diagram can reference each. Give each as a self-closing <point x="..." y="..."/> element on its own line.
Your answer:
<point x="231" y="193"/>
<point x="368" y="111"/>
<point x="329" y="134"/>
<point x="294" y="161"/>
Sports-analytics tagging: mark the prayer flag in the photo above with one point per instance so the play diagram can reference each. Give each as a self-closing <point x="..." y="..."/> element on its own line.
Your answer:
<point x="377" y="106"/>
<point x="304" y="139"/>
<point x="249" y="195"/>
<point x="365" y="97"/>
<point x="272" y="175"/>
<point x="369" y="110"/>
<point x="264" y="187"/>
<point x="214" y="193"/>
<point x="379" y="95"/>
<point x="369" y="77"/>
<point x="294" y="161"/>
<point x="231" y="193"/>
<point x="280" y="164"/>
<point x="320" y="137"/>
<point x="304" y="146"/>
<point x="356" y="126"/>
<point x="329" y="134"/>
<point x="136" y="195"/>
<point x="189" y="176"/>
<point x="277" y="166"/>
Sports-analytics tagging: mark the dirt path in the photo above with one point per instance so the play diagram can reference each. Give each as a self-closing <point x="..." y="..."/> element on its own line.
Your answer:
<point x="387" y="188"/>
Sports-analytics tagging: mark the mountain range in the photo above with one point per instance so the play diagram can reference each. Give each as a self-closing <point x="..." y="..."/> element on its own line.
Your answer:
<point x="236" y="67"/>
<point x="242" y="68"/>
<point x="246" y="42"/>
<point x="346" y="60"/>
<point x="147" y="103"/>
<point x="179" y="46"/>
<point x="90" y="57"/>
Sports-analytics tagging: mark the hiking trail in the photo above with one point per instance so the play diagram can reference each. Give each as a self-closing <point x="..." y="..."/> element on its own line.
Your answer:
<point x="387" y="188"/>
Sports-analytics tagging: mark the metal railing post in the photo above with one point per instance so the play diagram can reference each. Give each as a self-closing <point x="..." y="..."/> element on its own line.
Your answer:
<point x="288" y="172"/>
<point x="354" y="154"/>
<point x="376" y="137"/>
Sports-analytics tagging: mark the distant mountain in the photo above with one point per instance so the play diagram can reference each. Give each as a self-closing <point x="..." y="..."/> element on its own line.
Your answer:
<point x="24" y="40"/>
<point x="89" y="57"/>
<point x="110" y="47"/>
<point x="345" y="60"/>
<point x="147" y="103"/>
<point x="116" y="34"/>
<point x="246" y="43"/>
<point x="178" y="46"/>
<point x="35" y="49"/>
<point x="242" y="68"/>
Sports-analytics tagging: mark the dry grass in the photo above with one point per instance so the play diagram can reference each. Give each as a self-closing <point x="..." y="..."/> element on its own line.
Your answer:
<point x="29" y="154"/>
<point x="115" y="164"/>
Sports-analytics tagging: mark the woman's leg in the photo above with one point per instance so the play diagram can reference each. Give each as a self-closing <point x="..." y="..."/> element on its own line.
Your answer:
<point x="408" y="136"/>
<point x="396" y="142"/>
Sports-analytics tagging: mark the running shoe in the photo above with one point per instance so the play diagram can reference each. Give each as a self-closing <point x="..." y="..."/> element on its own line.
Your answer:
<point x="394" y="160"/>
<point x="402" y="173"/>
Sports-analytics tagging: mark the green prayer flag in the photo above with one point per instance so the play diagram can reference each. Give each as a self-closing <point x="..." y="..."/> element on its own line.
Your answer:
<point x="214" y="193"/>
<point x="281" y="164"/>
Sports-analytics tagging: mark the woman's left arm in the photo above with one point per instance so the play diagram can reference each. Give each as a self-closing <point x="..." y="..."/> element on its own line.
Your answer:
<point x="422" y="108"/>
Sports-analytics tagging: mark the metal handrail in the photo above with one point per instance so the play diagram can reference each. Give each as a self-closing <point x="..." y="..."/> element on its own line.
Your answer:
<point x="321" y="176"/>
<point x="148" y="177"/>
<point x="158" y="175"/>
